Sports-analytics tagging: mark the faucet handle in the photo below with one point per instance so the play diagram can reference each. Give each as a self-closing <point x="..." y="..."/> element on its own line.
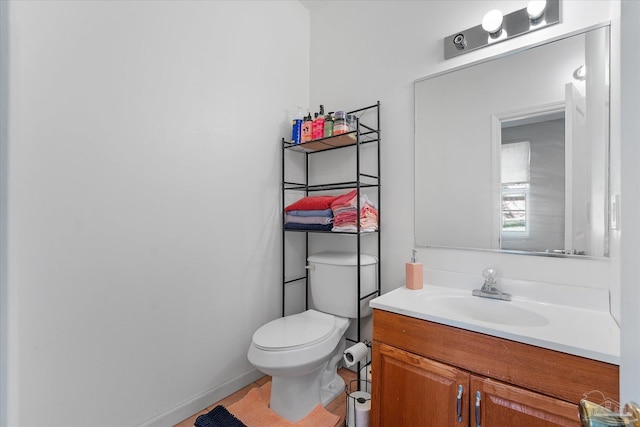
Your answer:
<point x="489" y="275"/>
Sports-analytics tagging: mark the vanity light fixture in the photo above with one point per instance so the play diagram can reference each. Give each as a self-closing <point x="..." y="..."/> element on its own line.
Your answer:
<point x="496" y="27"/>
<point x="459" y="41"/>
<point x="535" y="9"/>
<point x="492" y="22"/>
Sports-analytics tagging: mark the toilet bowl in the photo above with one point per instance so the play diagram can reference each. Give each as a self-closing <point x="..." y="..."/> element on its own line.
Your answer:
<point x="301" y="352"/>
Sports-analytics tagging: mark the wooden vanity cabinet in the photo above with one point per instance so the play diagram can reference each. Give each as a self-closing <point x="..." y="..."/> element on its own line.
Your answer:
<point x="429" y="375"/>
<point x="416" y="391"/>
<point x="505" y="405"/>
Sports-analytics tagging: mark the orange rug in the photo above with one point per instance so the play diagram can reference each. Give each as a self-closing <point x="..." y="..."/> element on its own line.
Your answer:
<point x="253" y="410"/>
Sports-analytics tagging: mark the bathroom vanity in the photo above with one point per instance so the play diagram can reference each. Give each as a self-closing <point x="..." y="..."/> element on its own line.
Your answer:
<point x="436" y="367"/>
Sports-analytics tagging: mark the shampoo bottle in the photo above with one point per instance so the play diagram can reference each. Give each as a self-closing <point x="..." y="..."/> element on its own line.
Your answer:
<point x="306" y="128"/>
<point x="296" y="127"/>
<point x="318" y="124"/>
<point x="314" y="126"/>
<point x="328" y="125"/>
<point x="414" y="273"/>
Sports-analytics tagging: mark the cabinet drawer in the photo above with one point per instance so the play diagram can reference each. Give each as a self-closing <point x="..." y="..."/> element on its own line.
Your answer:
<point x="553" y="373"/>
<point x="504" y="405"/>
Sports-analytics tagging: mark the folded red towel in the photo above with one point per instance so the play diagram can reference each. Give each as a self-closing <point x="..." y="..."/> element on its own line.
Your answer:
<point x="311" y="203"/>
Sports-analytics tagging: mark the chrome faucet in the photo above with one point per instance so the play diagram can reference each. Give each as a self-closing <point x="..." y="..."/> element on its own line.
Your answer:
<point x="490" y="288"/>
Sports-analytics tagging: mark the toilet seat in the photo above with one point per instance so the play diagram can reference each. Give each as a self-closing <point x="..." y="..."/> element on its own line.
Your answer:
<point x="294" y="331"/>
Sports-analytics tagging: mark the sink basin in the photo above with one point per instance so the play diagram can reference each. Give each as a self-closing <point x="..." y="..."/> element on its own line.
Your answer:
<point x="484" y="310"/>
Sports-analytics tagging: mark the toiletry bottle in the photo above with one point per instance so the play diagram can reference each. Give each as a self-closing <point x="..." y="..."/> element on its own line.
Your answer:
<point x="340" y="123"/>
<point x="414" y="273"/>
<point x="328" y="125"/>
<point x="314" y="126"/>
<point x="351" y="122"/>
<point x="306" y="128"/>
<point x="319" y="124"/>
<point x="296" y="127"/>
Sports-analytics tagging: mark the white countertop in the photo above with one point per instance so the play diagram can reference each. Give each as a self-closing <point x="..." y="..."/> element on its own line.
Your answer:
<point x="588" y="331"/>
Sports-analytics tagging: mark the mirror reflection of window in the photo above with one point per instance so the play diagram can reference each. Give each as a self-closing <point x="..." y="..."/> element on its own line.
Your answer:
<point x="515" y="173"/>
<point x="532" y="168"/>
<point x="514" y="208"/>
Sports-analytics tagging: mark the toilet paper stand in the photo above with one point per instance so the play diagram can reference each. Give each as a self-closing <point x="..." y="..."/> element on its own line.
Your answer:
<point x="358" y="354"/>
<point x="358" y="403"/>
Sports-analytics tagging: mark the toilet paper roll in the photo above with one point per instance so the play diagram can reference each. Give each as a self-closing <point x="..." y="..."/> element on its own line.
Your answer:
<point x="363" y="410"/>
<point x="365" y="373"/>
<point x="355" y="354"/>
<point x="358" y="403"/>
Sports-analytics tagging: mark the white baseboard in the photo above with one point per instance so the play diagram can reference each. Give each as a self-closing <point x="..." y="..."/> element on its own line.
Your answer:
<point x="184" y="410"/>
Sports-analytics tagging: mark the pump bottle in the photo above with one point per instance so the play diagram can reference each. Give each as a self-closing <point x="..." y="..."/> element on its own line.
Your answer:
<point x="414" y="273"/>
<point x="306" y="128"/>
<point x="318" y="124"/>
<point x="328" y="125"/>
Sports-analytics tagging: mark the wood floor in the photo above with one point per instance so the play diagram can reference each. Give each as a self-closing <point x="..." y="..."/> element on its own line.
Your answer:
<point x="338" y="406"/>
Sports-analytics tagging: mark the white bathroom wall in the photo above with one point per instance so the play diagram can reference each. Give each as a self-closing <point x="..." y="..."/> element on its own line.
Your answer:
<point x="140" y="208"/>
<point x="4" y="315"/>
<point x="362" y="54"/>
<point x="630" y="228"/>
<point x="142" y="202"/>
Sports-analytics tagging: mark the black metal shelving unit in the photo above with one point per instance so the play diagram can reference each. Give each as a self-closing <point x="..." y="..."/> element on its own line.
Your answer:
<point x="367" y="133"/>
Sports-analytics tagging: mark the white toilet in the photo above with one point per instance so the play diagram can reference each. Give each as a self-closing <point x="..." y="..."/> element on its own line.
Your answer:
<point x="302" y="352"/>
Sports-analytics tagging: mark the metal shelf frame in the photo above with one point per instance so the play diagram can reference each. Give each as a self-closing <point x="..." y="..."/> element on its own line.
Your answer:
<point x="363" y="135"/>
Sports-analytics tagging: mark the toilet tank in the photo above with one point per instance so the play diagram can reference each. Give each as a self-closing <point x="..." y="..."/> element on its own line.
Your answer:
<point x="333" y="282"/>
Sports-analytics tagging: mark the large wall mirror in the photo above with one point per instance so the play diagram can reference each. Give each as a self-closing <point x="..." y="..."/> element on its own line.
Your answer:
<point x="512" y="154"/>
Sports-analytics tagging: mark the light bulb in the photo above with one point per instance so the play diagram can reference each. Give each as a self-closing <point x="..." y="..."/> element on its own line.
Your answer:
<point x="492" y="21"/>
<point x="536" y="8"/>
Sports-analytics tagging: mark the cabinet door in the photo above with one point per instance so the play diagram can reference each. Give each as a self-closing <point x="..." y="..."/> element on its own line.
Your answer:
<point x="410" y="390"/>
<point x="503" y="405"/>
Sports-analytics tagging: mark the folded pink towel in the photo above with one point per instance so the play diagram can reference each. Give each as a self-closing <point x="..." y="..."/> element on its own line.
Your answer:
<point x="347" y="217"/>
<point x="346" y="200"/>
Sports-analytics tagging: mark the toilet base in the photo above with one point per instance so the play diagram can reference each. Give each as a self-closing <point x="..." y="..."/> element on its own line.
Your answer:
<point x="294" y="397"/>
<point x="332" y="390"/>
<point x="332" y="384"/>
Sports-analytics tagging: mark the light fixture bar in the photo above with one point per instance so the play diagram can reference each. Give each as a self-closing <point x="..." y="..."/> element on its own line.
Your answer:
<point x="514" y="24"/>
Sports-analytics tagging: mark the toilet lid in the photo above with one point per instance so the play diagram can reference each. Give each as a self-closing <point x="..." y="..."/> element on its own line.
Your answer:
<point x="294" y="331"/>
